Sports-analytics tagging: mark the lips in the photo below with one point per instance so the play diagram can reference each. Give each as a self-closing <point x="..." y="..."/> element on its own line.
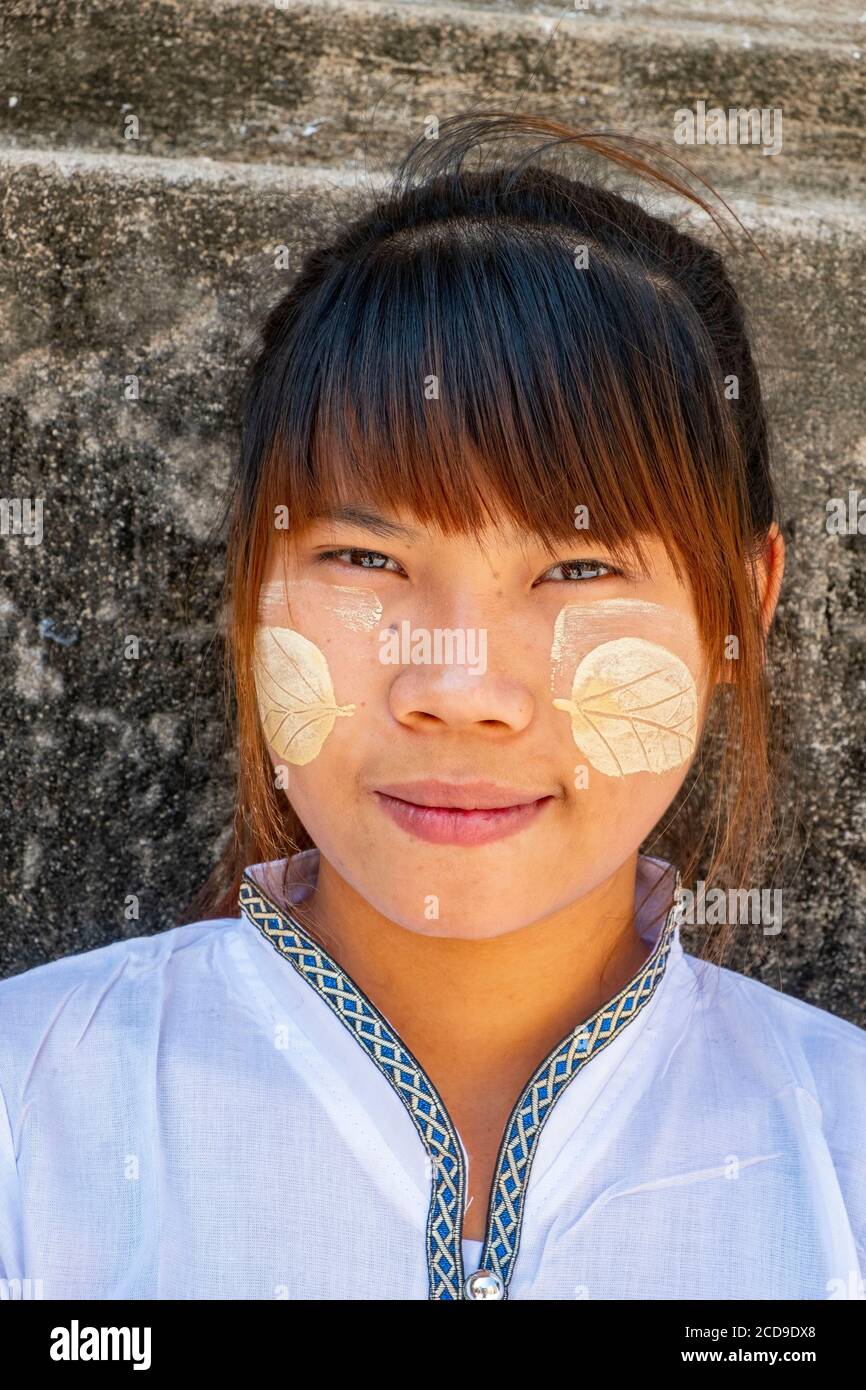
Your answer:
<point x="464" y="796"/>
<point x="460" y="813"/>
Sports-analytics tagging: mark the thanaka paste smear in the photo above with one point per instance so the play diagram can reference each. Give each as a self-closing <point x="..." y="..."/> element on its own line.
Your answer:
<point x="357" y="609"/>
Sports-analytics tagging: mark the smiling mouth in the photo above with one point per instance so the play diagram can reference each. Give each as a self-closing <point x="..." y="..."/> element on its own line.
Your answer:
<point x="460" y="813"/>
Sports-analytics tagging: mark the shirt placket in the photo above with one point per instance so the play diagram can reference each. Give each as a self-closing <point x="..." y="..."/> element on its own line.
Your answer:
<point x="445" y="1151"/>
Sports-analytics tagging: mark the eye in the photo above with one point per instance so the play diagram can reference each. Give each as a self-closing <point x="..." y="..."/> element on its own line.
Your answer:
<point x="580" y="569"/>
<point x="359" y="559"/>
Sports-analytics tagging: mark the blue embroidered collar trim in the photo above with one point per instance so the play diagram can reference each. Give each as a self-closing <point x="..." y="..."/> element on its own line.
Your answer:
<point x="425" y="1107"/>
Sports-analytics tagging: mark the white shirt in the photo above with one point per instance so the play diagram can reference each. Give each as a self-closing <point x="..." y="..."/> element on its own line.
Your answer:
<point x="216" y="1111"/>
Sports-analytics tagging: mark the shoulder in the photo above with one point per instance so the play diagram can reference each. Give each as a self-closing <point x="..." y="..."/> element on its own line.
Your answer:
<point x="785" y="1041"/>
<point x="143" y="956"/>
<point x="97" y="1000"/>
<point x="800" y="1021"/>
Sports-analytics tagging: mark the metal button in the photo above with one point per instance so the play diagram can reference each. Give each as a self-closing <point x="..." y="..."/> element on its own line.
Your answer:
<point x="483" y="1283"/>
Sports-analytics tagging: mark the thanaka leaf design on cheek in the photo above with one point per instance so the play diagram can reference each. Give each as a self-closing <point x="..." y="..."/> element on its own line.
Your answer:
<point x="633" y="708"/>
<point x="295" y="693"/>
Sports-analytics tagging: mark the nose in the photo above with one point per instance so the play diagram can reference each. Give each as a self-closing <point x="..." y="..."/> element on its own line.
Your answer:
<point x="440" y="698"/>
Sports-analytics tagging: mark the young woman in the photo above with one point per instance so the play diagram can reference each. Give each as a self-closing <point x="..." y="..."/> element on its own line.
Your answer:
<point x="502" y="562"/>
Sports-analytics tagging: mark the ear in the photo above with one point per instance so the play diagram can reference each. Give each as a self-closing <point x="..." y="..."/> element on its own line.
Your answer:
<point x="770" y="567"/>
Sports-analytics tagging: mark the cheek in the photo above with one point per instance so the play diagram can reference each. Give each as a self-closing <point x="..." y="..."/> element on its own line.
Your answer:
<point x="295" y="692"/>
<point x="345" y="607"/>
<point x="308" y="682"/>
<point x="611" y="815"/>
<point x="633" y="708"/>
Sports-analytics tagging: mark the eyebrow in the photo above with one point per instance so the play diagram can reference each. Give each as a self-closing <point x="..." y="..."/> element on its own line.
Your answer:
<point x="369" y="521"/>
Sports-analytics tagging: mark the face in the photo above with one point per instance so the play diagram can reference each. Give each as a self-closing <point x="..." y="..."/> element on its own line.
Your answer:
<point x="474" y="734"/>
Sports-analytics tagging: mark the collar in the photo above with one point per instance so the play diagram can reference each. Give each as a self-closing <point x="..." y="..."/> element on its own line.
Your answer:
<point x="658" y="921"/>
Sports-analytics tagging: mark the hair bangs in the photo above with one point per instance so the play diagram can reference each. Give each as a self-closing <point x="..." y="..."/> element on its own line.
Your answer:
<point x="481" y="375"/>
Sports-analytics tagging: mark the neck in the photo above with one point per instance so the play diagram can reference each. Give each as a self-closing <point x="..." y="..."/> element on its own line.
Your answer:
<point x="485" y="1013"/>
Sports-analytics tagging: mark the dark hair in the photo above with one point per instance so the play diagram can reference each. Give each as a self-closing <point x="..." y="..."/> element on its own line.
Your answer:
<point x="603" y="385"/>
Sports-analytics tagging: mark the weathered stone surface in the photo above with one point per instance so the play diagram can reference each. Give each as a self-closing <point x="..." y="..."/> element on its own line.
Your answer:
<point x="118" y="774"/>
<point x="329" y="82"/>
<point x="119" y="777"/>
